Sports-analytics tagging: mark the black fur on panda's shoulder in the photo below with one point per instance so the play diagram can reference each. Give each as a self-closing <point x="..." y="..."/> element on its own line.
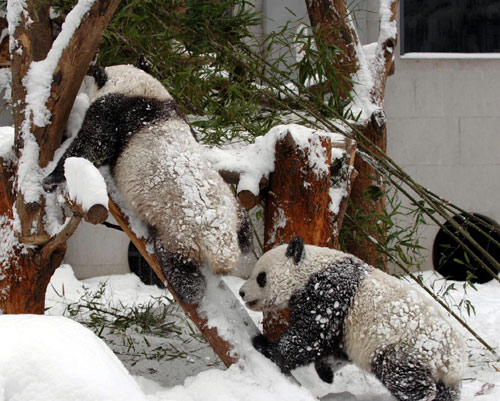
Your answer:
<point x="120" y="116"/>
<point x="109" y="124"/>
<point x="324" y="302"/>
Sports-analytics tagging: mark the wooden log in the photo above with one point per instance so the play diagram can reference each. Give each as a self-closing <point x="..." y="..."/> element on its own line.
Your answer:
<point x="346" y="176"/>
<point x="298" y="199"/>
<point x="297" y="205"/>
<point x="221" y="347"/>
<point x="97" y="214"/>
<point x="247" y="198"/>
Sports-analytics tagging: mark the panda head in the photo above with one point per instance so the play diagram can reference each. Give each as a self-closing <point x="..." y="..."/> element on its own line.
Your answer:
<point x="127" y="80"/>
<point x="281" y="271"/>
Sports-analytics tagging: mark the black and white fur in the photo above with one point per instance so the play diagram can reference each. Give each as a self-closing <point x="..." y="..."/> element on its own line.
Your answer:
<point x="345" y="310"/>
<point x="134" y="126"/>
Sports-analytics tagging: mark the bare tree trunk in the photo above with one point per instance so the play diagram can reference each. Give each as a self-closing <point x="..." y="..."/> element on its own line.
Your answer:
<point x="298" y="203"/>
<point x="298" y="199"/>
<point x="329" y="18"/>
<point x="365" y="210"/>
<point x="334" y="28"/>
<point x="32" y="256"/>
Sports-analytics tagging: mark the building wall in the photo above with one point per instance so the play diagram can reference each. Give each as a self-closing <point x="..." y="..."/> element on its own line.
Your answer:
<point x="443" y="129"/>
<point x="95" y="250"/>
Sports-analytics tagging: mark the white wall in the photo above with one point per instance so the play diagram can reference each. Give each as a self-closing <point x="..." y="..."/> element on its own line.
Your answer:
<point x="443" y="128"/>
<point x="95" y="250"/>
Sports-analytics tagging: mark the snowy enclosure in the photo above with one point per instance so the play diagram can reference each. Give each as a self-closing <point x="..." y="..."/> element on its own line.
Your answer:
<point x="60" y="360"/>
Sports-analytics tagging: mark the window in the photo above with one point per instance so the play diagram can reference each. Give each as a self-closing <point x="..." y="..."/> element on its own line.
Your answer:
<point x="450" y="26"/>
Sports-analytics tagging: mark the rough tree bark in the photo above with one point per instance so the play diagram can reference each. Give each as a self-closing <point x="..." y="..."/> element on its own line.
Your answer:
<point x="31" y="257"/>
<point x="334" y="27"/>
<point x="298" y="203"/>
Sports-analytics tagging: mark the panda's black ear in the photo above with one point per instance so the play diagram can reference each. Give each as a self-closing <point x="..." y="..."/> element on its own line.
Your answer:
<point x="143" y="64"/>
<point x="296" y="249"/>
<point x="99" y="74"/>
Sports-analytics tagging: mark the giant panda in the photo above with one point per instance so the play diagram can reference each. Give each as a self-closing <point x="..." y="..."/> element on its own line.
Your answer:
<point x="134" y="126"/>
<point x="342" y="310"/>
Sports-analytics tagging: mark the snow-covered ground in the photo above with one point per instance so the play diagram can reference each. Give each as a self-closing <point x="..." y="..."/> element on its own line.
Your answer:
<point x="53" y="358"/>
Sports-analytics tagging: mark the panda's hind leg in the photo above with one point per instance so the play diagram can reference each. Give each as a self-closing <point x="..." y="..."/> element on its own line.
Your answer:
<point x="447" y="393"/>
<point x="403" y="375"/>
<point x="327" y="366"/>
<point x="182" y="274"/>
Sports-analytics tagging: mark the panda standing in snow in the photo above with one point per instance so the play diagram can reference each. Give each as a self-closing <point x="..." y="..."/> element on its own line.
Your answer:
<point x="342" y="309"/>
<point x="134" y="126"/>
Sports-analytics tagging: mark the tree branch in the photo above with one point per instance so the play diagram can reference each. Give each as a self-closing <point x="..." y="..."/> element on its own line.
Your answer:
<point x="383" y="64"/>
<point x="58" y="241"/>
<point x="69" y="74"/>
<point x="33" y="43"/>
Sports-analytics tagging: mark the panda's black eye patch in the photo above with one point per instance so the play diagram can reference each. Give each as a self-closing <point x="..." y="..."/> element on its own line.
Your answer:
<point x="262" y="279"/>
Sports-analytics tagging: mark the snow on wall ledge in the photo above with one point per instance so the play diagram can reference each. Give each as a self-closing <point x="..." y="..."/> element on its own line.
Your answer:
<point x="86" y="185"/>
<point x="256" y="160"/>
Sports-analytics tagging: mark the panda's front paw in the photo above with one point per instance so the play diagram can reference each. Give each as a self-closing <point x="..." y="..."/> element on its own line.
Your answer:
<point x="324" y="371"/>
<point x="264" y="345"/>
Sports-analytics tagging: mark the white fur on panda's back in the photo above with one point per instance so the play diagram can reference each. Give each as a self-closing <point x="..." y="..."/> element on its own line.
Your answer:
<point x="387" y="311"/>
<point x="174" y="189"/>
<point x="131" y="82"/>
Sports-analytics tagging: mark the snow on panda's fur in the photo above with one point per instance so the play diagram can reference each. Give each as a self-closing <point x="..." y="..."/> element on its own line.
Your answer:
<point x="134" y="125"/>
<point x="342" y="309"/>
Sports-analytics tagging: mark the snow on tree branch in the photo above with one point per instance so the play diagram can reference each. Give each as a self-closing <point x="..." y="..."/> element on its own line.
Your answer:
<point x="86" y="185"/>
<point x="374" y="63"/>
<point x="39" y="79"/>
<point x="257" y="160"/>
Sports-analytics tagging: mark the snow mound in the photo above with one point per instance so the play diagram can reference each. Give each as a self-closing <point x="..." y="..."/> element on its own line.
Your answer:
<point x="52" y="358"/>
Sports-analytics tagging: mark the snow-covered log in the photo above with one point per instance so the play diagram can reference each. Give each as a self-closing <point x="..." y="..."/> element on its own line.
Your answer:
<point x="87" y="191"/>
